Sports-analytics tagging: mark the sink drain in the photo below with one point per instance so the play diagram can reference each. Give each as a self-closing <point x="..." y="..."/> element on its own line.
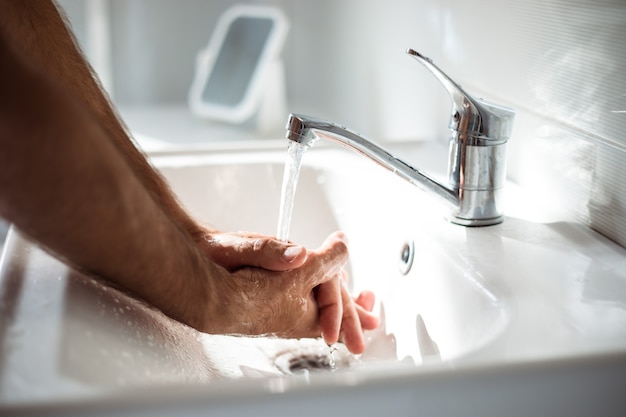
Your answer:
<point x="303" y="363"/>
<point x="317" y="357"/>
<point x="306" y="363"/>
<point x="407" y="255"/>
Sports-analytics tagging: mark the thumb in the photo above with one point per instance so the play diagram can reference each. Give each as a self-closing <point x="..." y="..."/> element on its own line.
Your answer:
<point x="233" y="251"/>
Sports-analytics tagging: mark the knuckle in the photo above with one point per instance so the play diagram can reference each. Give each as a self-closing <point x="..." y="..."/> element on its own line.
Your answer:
<point x="259" y="244"/>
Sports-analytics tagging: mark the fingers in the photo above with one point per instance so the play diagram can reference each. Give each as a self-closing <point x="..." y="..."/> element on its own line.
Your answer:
<point x="351" y="325"/>
<point x="341" y="316"/>
<point x="233" y="251"/>
<point x="274" y="255"/>
<point x="364" y="306"/>
<point x="330" y="306"/>
<point x="366" y="299"/>
<point x="368" y="320"/>
<point x="238" y="250"/>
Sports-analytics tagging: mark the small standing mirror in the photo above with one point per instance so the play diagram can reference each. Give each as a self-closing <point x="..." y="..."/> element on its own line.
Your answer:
<point x="240" y="73"/>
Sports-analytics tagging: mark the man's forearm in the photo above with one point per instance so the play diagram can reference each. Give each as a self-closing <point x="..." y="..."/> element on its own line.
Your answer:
<point x="37" y="29"/>
<point x="65" y="185"/>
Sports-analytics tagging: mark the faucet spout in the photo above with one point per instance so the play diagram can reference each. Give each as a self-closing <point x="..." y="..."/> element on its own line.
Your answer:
<point x="477" y="157"/>
<point x="306" y="130"/>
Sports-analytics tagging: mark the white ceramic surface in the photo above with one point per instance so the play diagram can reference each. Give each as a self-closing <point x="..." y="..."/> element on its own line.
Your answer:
<point x="484" y="315"/>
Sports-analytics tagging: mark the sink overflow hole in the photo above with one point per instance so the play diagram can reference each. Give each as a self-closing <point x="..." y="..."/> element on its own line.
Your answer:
<point x="407" y="254"/>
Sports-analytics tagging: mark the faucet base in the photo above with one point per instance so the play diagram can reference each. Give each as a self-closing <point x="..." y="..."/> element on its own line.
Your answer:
<point x="474" y="222"/>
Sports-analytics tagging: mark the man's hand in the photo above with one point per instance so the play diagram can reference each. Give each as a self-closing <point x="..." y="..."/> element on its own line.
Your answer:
<point x="289" y="291"/>
<point x="243" y="249"/>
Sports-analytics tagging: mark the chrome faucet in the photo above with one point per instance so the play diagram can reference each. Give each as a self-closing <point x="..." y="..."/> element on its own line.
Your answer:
<point x="477" y="164"/>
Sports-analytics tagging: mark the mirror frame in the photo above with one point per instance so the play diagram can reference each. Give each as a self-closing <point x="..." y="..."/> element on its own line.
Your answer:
<point x="207" y="57"/>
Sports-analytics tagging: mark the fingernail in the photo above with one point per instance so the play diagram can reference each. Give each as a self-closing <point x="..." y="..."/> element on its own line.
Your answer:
<point x="292" y="252"/>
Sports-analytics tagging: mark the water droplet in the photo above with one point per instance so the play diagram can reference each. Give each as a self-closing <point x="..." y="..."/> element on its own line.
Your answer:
<point x="331" y="351"/>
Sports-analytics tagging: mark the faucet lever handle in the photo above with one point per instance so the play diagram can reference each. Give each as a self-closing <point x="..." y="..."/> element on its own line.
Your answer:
<point x="471" y="117"/>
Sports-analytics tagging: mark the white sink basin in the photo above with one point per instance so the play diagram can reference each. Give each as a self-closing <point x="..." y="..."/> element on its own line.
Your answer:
<point x="340" y="191"/>
<point x="481" y="310"/>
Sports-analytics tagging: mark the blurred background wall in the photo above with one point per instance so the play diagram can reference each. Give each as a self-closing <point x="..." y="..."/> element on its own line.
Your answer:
<point x="559" y="63"/>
